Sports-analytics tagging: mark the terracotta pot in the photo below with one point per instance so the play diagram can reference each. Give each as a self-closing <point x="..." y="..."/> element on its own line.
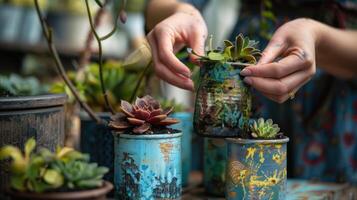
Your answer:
<point x="93" y="194"/>
<point x="223" y="101"/>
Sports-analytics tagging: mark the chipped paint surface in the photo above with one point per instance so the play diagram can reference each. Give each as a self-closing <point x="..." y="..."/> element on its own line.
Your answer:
<point x="147" y="168"/>
<point x="256" y="171"/>
<point x="223" y="102"/>
<point x="165" y="149"/>
<point x="215" y="154"/>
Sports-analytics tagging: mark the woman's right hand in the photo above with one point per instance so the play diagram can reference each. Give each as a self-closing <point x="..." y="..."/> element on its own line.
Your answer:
<point x="185" y="27"/>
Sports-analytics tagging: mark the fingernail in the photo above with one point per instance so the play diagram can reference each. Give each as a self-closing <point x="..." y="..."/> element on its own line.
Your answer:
<point x="246" y="72"/>
<point x="247" y="80"/>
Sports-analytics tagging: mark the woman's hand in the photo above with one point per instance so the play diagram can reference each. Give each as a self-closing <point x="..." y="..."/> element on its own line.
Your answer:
<point x="185" y="27"/>
<point x="287" y="63"/>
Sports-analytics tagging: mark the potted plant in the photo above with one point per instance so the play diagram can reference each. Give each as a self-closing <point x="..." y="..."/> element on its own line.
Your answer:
<point x="27" y="110"/>
<point x="147" y="152"/>
<point x="65" y="174"/>
<point x="186" y="126"/>
<point x="214" y="166"/>
<point x="256" y="164"/>
<point x="223" y="101"/>
<point x="87" y="81"/>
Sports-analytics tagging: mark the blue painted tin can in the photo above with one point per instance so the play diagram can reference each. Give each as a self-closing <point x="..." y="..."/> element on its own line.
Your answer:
<point x="185" y="126"/>
<point x="147" y="166"/>
<point x="256" y="169"/>
<point x="214" y="166"/>
<point x="97" y="141"/>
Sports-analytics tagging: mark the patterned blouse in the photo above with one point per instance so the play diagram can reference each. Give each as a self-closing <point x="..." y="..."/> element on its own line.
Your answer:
<point x="321" y="120"/>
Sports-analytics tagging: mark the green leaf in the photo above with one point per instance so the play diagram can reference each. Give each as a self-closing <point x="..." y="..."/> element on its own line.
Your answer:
<point x="86" y="184"/>
<point x="29" y="147"/>
<point x="18" y="164"/>
<point x="227" y="43"/>
<point x="269" y="15"/>
<point x="239" y="45"/>
<point x="215" y="56"/>
<point x="18" y="182"/>
<point x="227" y="52"/>
<point x="53" y="178"/>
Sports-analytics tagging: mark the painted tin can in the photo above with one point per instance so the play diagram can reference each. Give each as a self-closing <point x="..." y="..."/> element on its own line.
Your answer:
<point x="223" y="101"/>
<point x="97" y="141"/>
<point x="147" y="166"/>
<point x="214" y="167"/>
<point x="256" y="169"/>
<point x="185" y="126"/>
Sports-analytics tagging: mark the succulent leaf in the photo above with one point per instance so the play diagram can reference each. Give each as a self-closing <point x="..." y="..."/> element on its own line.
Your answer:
<point x="264" y="129"/>
<point x="141" y="116"/>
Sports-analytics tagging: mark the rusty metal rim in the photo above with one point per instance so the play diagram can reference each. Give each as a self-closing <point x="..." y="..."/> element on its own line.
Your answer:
<point x="150" y="137"/>
<point x="31" y="102"/>
<point x="259" y="141"/>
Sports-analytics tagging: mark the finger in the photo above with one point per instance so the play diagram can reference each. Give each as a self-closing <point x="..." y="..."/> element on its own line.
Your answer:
<point x="275" y="48"/>
<point x="197" y="43"/>
<point x="278" y="87"/>
<point x="280" y="69"/>
<point x="166" y="54"/>
<point x="166" y="74"/>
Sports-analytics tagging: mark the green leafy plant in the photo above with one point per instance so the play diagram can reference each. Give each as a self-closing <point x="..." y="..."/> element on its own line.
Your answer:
<point x="65" y="169"/>
<point x="141" y="117"/>
<point x="15" y="85"/>
<point x="87" y="82"/>
<point x="261" y="129"/>
<point x="243" y="50"/>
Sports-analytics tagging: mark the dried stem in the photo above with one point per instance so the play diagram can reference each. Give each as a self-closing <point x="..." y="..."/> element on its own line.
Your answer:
<point x="100" y="54"/>
<point x="141" y="78"/>
<point x="47" y="32"/>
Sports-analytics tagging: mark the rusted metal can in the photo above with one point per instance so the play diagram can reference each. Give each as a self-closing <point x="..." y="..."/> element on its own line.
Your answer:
<point x="223" y="101"/>
<point x="147" y="166"/>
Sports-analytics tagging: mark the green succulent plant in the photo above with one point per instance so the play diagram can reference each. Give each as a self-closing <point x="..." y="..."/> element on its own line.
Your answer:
<point x="65" y="169"/>
<point x="243" y="50"/>
<point x="15" y="85"/>
<point x="261" y="129"/>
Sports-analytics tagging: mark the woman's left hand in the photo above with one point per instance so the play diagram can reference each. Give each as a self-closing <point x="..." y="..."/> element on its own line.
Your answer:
<point x="287" y="63"/>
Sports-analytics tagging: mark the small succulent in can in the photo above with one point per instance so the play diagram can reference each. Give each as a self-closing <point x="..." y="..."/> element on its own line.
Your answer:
<point x="141" y="117"/>
<point x="261" y="129"/>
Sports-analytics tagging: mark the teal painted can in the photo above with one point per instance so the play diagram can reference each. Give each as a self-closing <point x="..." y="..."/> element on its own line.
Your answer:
<point x="97" y="141"/>
<point x="256" y="169"/>
<point x="147" y="166"/>
<point x="223" y="101"/>
<point x="214" y="166"/>
<point x="185" y="126"/>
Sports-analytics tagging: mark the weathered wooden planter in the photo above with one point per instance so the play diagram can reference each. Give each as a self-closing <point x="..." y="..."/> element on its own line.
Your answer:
<point x="97" y="140"/>
<point x="185" y="126"/>
<point x="148" y="166"/>
<point x="92" y="194"/>
<point x="223" y="101"/>
<point x="215" y="154"/>
<point x="256" y="169"/>
<point x="41" y="117"/>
